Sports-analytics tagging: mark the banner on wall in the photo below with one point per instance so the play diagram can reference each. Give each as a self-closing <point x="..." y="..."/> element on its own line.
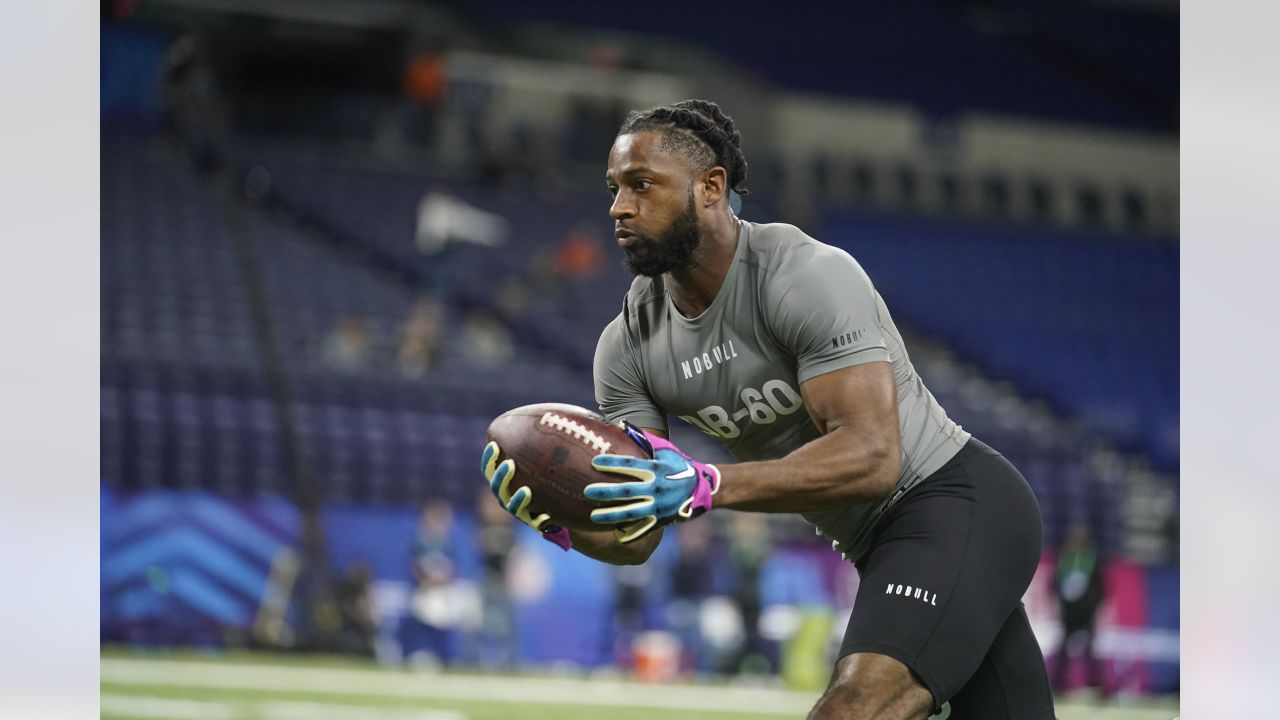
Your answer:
<point x="196" y="569"/>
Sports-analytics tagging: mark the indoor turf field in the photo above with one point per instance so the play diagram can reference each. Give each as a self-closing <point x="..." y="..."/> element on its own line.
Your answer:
<point x="245" y="686"/>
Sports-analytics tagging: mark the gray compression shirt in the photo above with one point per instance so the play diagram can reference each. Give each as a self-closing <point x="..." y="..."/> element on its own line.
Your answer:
<point x="790" y="309"/>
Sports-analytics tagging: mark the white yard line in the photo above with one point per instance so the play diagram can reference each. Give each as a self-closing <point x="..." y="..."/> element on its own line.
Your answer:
<point x="386" y="683"/>
<point x="171" y="709"/>
<point x="167" y="708"/>
<point x="289" y="710"/>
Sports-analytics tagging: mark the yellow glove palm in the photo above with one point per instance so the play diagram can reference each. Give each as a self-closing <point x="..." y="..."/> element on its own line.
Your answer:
<point x="500" y="475"/>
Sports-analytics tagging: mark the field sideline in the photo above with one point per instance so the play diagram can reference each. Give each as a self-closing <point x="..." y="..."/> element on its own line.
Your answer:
<point x="245" y="686"/>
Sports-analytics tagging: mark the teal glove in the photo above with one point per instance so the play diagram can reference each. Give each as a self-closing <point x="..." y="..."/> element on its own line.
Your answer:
<point x="671" y="487"/>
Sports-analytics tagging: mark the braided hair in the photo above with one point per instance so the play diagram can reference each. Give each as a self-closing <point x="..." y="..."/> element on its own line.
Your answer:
<point x="699" y="130"/>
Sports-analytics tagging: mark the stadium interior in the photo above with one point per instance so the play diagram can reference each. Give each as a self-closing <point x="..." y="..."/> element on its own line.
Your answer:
<point x="339" y="238"/>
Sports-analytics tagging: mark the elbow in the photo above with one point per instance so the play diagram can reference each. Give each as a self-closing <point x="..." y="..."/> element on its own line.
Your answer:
<point x="629" y="556"/>
<point x="633" y="553"/>
<point x="631" y="559"/>
<point x="638" y="552"/>
<point x="870" y="469"/>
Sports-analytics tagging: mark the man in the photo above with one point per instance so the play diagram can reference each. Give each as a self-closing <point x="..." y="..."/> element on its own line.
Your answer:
<point x="1079" y="589"/>
<point x="780" y="347"/>
<point x="426" y="633"/>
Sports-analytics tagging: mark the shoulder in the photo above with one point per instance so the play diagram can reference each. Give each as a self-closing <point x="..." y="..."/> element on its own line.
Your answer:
<point x="776" y="239"/>
<point x="612" y="343"/>
<point x="614" y="335"/>
<point x="641" y="298"/>
<point x="787" y="255"/>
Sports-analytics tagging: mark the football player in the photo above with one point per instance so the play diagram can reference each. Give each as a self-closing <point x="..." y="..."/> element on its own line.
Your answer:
<point x="780" y="347"/>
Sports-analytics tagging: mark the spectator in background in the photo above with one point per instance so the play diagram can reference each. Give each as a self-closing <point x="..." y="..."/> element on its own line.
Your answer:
<point x="1078" y="586"/>
<point x="494" y="645"/>
<point x="516" y="296"/>
<point x="349" y="345"/>
<point x="591" y="121"/>
<point x="486" y="341"/>
<point x="358" y="627"/>
<point x="420" y="338"/>
<point x="579" y="255"/>
<point x="434" y="609"/>
<point x="426" y="79"/>
<point x="195" y="110"/>
<point x="749" y="548"/>
<point x="630" y="583"/>
<point x="692" y="583"/>
<point x="312" y="617"/>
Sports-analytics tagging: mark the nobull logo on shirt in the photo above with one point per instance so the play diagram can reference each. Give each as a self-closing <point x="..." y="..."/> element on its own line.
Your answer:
<point x="848" y="338"/>
<point x="698" y="364"/>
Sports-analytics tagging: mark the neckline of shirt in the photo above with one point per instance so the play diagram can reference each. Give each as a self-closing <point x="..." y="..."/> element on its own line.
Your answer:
<point x="729" y="278"/>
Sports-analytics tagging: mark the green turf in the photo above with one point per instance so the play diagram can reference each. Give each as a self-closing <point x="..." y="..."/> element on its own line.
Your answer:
<point x="256" y="657"/>
<point x="359" y="690"/>
<point x="472" y="709"/>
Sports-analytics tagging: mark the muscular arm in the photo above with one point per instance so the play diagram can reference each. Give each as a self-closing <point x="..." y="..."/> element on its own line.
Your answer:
<point x="857" y="459"/>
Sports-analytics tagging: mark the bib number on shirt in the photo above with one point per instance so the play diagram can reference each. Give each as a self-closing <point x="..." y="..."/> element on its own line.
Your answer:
<point x="760" y="407"/>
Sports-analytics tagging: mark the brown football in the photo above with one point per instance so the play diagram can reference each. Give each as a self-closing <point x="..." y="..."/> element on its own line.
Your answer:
<point x="552" y="445"/>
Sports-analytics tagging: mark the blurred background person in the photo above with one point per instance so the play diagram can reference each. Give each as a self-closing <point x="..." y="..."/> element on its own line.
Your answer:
<point x="350" y="346"/>
<point x="749" y="548"/>
<point x="632" y="598"/>
<point x="313" y="620"/>
<point x="426" y="84"/>
<point x="1080" y="590"/>
<point x="420" y="338"/>
<point x="435" y="607"/>
<point x="495" y="644"/>
<point x="484" y="340"/>
<point x="359" y="626"/>
<point x="694" y="578"/>
<point x="579" y="255"/>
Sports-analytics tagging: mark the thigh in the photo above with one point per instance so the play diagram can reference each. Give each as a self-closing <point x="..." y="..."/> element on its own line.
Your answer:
<point x="1010" y="683"/>
<point x="946" y="569"/>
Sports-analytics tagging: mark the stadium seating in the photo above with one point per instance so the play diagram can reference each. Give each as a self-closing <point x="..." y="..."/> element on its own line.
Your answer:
<point x="1082" y="321"/>
<point x="1071" y="61"/>
<point x="186" y="401"/>
<point x="185" y="397"/>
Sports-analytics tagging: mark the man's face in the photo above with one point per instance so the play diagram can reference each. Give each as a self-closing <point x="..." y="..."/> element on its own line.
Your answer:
<point x="654" y="210"/>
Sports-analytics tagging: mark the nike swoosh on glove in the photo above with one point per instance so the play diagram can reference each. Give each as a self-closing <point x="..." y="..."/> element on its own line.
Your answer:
<point x="670" y="487"/>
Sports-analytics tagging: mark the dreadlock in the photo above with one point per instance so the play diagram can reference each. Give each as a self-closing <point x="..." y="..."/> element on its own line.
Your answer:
<point x="701" y="131"/>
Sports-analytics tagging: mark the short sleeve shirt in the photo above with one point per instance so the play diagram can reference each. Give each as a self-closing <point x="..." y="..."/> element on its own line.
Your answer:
<point x="791" y="308"/>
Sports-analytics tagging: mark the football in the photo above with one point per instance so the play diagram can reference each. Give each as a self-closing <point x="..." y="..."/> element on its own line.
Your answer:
<point x="552" y="445"/>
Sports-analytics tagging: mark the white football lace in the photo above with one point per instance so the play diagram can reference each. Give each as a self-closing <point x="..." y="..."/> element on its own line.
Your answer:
<point x="577" y="431"/>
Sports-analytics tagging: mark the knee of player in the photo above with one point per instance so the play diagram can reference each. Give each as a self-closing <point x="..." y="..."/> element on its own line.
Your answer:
<point x="880" y="683"/>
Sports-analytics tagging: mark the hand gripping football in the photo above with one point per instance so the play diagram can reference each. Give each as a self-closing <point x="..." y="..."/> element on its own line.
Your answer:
<point x="552" y="445"/>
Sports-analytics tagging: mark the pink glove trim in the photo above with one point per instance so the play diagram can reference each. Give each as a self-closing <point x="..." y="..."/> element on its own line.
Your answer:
<point x="708" y="477"/>
<point x="559" y="536"/>
<point x="703" y="492"/>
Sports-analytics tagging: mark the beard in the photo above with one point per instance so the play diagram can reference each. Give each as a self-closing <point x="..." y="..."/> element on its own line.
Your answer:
<point x="670" y="251"/>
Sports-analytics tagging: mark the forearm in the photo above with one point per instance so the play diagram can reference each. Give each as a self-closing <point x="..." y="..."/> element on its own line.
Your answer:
<point x="601" y="545"/>
<point x="834" y="468"/>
